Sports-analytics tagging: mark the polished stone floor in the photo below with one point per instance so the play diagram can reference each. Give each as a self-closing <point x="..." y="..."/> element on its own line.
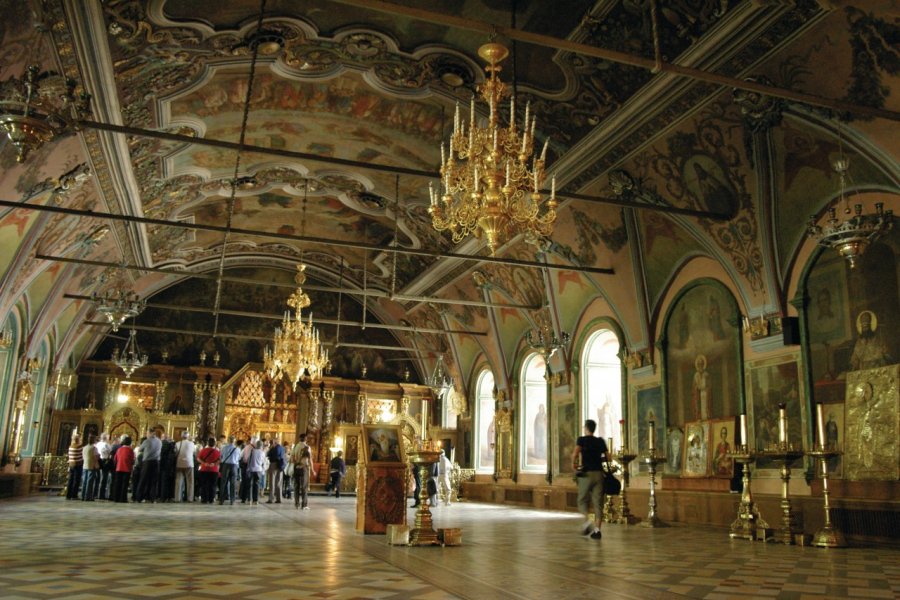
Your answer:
<point x="53" y="548"/>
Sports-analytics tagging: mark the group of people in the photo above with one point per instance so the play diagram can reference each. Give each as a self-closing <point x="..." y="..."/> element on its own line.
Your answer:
<point x="159" y="469"/>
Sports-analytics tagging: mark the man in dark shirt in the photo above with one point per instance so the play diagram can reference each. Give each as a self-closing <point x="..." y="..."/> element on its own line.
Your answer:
<point x="277" y="461"/>
<point x="591" y="451"/>
<point x="337" y="471"/>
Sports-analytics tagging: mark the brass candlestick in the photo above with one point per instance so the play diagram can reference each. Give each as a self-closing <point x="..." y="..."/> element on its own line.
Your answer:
<point x="651" y="459"/>
<point x="423" y="534"/>
<point x="828" y="536"/>
<point x="748" y="521"/>
<point x="623" y="457"/>
<point x="783" y="454"/>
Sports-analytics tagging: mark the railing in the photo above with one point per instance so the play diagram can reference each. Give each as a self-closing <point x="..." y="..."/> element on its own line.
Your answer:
<point x="54" y="470"/>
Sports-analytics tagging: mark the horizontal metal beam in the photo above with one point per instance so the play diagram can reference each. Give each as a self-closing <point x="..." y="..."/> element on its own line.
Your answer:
<point x="316" y="321"/>
<point x="282" y="153"/>
<point x="301" y="238"/>
<point x="624" y="58"/>
<point x="240" y="336"/>
<point x="369" y="293"/>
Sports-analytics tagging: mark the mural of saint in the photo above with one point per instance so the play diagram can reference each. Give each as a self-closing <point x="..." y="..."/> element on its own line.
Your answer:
<point x="870" y="350"/>
<point x="700" y="389"/>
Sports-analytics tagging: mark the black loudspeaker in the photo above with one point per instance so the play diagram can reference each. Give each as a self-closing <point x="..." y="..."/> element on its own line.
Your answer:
<point x="790" y="329"/>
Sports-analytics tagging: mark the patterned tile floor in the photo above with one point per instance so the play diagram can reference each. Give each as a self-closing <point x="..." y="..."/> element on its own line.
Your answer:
<point x="51" y="548"/>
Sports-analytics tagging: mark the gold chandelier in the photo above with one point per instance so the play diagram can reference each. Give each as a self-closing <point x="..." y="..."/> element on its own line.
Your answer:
<point x="296" y="351"/>
<point x="491" y="179"/>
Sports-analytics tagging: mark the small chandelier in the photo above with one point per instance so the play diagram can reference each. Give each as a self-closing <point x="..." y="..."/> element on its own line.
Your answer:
<point x="854" y="231"/>
<point x="439" y="378"/>
<point x="131" y="359"/>
<point x="38" y="107"/>
<point x="490" y="182"/>
<point x="296" y="351"/>
<point x="117" y="305"/>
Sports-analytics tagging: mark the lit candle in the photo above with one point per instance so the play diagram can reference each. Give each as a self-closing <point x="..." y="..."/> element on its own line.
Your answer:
<point x="651" y="435"/>
<point x="743" y="429"/>
<point x="622" y="432"/>
<point x="424" y="419"/>
<point x="820" y="424"/>
<point x="782" y="424"/>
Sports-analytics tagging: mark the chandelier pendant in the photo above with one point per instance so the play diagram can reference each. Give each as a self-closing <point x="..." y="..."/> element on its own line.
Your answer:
<point x="492" y="177"/>
<point x="131" y="358"/>
<point x="296" y="352"/>
<point x="852" y="233"/>
<point x="118" y="305"/>
<point x="38" y="107"/>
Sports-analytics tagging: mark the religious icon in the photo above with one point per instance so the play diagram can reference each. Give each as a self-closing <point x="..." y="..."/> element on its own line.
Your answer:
<point x="382" y="444"/>
<point x="871" y="349"/>
<point x="696" y="453"/>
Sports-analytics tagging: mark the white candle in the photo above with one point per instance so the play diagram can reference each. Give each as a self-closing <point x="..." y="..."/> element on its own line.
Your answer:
<point x="782" y="424"/>
<point x="544" y="151"/>
<point x="553" y="187"/>
<point x="743" y="429"/>
<point x="456" y="119"/>
<point x="507" y="173"/>
<point x="609" y="444"/>
<point x="424" y="419"/>
<point x="820" y="424"/>
<point x="443" y="157"/>
<point x="472" y="116"/>
<point x="622" y="432"/>
<point x="651" y="435"/>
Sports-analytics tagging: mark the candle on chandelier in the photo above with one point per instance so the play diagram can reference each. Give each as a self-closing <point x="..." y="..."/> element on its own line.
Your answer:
<point x="507" y="173"/>
<point x="743" y="428"/>
<point x="544" y="151"/>
<point x="512" y="112"/>
<point x="535" y="181"/>
<point x="476" y="180"/>
<point x="651" y="435"/>
<point x="456" y="119"/>
<point x="553" y="187"/>
<point x="782" y="424"/>
<point x="820" y="424"/>
<point x="622" y="432"/>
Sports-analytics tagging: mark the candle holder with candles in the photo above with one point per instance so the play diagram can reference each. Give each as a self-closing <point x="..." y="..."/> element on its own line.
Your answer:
<point x="423" y="533"/>
<point x="623" y="457"/>
<point x="784" y="455"/>
<point x="828" y="536"/>
<point x="651" y="458"/>
<point x="748" y="525"/>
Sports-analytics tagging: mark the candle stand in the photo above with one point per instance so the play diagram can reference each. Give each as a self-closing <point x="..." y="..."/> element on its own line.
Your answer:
<point x="783" y="455"/>
<point x="423" y="534"/>
<point x="624" y="516"/>
<point x="651" y="459"/>
<point x="828" y="536"/>
<point x="748" y="523"/>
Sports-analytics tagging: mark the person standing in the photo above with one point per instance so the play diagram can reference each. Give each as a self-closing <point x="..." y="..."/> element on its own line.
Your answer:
<point x="104" y="451"/>
<point x="303" y="471"/>
<point x="167" y="469"/>
<point x="123" y="461"/>
<point x="591" y="451"/>
<point x="245" y="471"/>
<point x="209" y="471"/>
<point x="76" y="463"/>
<point x="184" y="468"/>
<point x="91" y="467"/>
<point x="151" y="450"/>
<point x="337" y="470"/>
<point x="256" y="466"/>
<point x="228" y="471"/>
<point x="445" y="467"/>
<point x="276" y="471"/>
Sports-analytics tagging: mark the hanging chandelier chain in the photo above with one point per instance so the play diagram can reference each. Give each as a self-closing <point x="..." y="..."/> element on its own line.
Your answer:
<point x="245" y="117"/>
<point x="396" y="233"/>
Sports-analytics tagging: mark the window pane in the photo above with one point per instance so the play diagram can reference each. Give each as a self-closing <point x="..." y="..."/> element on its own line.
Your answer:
<point x="484" y="450"/>
<point x="603" y="384"/>
<point x="534" y="424"/>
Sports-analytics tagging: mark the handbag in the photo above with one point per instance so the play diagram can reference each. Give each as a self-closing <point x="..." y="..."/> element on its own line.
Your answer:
<point x="611" y="485"/>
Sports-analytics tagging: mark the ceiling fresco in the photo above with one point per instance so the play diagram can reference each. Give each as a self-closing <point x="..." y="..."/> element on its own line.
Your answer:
<point x="379" y="89"/>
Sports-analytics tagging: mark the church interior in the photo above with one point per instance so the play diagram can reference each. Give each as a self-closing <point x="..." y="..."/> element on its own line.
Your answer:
<point x="409" y="227"/>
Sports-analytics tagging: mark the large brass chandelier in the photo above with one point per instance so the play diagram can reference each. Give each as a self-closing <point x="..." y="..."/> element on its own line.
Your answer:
<point x="491" y="178"/>
<point x="296" y="352"/>
<point x="117" y="305"/>
<point x="853" y="231"/>
<point x="131" y="358"/>
<point x="37" y="107"/>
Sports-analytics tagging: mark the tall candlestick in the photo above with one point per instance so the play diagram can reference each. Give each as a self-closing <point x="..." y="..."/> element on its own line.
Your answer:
<point x="782" y="424"/>
<point x="743" y="429"/>
<point x="820" y="425"/>
<point x="651" y="435"/>
<point x="622" y="432"/>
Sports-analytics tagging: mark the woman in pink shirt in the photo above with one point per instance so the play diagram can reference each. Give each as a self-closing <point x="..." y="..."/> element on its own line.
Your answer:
<point x="209" y="471"/>
<point x="124" y="461"/>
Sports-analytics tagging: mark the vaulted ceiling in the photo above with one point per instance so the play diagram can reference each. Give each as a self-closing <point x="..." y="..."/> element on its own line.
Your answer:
<point x="352" y="104"/>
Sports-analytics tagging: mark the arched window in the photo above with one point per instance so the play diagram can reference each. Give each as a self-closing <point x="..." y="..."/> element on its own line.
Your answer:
<point x="484" y="418"/>
<point x="602" y="384"/>
<point x="533" y="429"/>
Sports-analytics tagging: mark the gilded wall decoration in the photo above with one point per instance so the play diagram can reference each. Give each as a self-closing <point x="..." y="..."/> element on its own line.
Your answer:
<point x="702" y="368"/>
<point x="872" y="446"/>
